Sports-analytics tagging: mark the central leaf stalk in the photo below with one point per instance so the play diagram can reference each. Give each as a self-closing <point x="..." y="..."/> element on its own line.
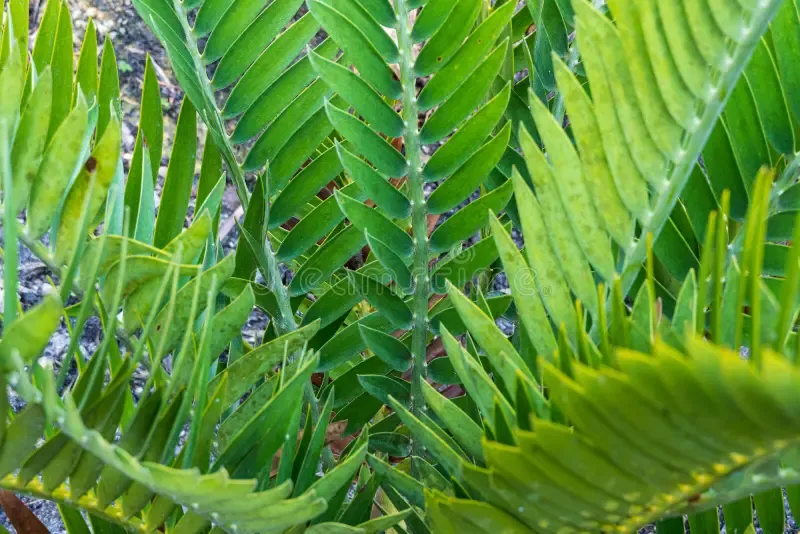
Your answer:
<point x="419" y="219"/>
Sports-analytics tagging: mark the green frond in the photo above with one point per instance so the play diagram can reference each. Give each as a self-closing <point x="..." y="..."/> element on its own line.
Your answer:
<point x="667" y="434"/>
<point x="645" y="150"/>
<point x="465" y="51"/>
<point x="664" y="424"/>
<point x="93" y="444"/>
<point x="218" y="499"/>
<point x="141" y="481"/>
<point x="244" y="69"/>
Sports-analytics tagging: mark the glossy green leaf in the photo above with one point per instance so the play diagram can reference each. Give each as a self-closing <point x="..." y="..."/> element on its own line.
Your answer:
<point x="43" y="46"/>
<point x="368" y="219"/>
<point x="464" y="266"/>
<point x="358" y="48"/>
<point x="170" y="332"/>
<point x="438" y="448"/>
<point x="275" y="99"/>
<point x="94" y="180"/>
<point x="786" y="40"/>
<point x="362" y="19"/>
<point x="86" y="73"/>
<point x="349" y="342"/>
<point x="298" y="148"/>
<point x="29" y="142"/>
<point x="278" y="134"/>
<point x="550" y="40"/>
<point x="247" y="369"/>
<point x="452" y="75"/>
<point x="388" y="348"/>
<point x="431" y="18"/>
<point x="243" y="32"/>
<point x="448" y="316"/>
<point x="349" y="384"/>
<point x="310" y="462"/>
<point x="179" y="179"/>
<point x="552" y="217"/>
<point x="391" y="443"/>
<point x="382" y="11"/>
<point x="108" y="98"/>
<point x="151" y="130"/>
<point x="326" y="260"/>
<point x="770" y="511"/>
<point x="257" y="398"/>
<point x="460" y="146"/>
<point x="596" y="169"/>
<point x="465" y="99"/>
<point x="12" y="78"/>
<point x="335" y="302"/>
<point x="21" y="436"/>
<point x="527" y="296"/>
<point x="410" y="488"/>
<point x="382" y="298"/>
<point x="470" y="175"/>
<point x="501" y="353"/>
<point x="61" y="65"/>
<point x="377" y="187"/>
<point x="28" y="336"/>
<point x="303" y="187"/>
<point x="145" y="202"/>
<point x="441" y="370"/>
<point x="572" y="191"/>
<point x="394" y="264"/>
<point x="469" y="220"/>
<point x="343" y="473"/>
<point x="266" y="68"/>
<point x="448" y="38"/>
<point x="367" y="141"/>
<point x="773" y="110"/>
<point x="277" y="413"/>
<point x="316" y="225"/>
<point x="746" y="132"/>
<point x="384" y="387"/>
<point x="255" y="225"/>
<point x="465" y="431"/>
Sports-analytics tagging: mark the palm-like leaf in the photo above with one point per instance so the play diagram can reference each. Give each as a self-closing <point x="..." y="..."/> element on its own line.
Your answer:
<point x="131" y="474"/>
<point x="142" y="480"/>
<point x="640" y="134"/>
<point x="273" y="105"/>
<point x="628" y="171"/>
<point x="752" y="131"/>
<point x="245" y="42"/>
<point x="623" y="464"/>
<point x="659" y="426"/>
<point x="464" y="58"/>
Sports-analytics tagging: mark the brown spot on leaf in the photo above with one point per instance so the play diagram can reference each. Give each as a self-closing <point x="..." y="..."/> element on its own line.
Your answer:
<point x="91" y="164"/>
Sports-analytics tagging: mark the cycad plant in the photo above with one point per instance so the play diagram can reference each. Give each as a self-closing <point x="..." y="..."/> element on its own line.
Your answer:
<point x="658" y="86"/>
<point x="189" y="450"/>
<point x="621" y="140"/>
<point x="293" y="113"/>
<point x="660" y="75"/>
<point x="662" y="418"/>
<point x="461" y="82"/>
